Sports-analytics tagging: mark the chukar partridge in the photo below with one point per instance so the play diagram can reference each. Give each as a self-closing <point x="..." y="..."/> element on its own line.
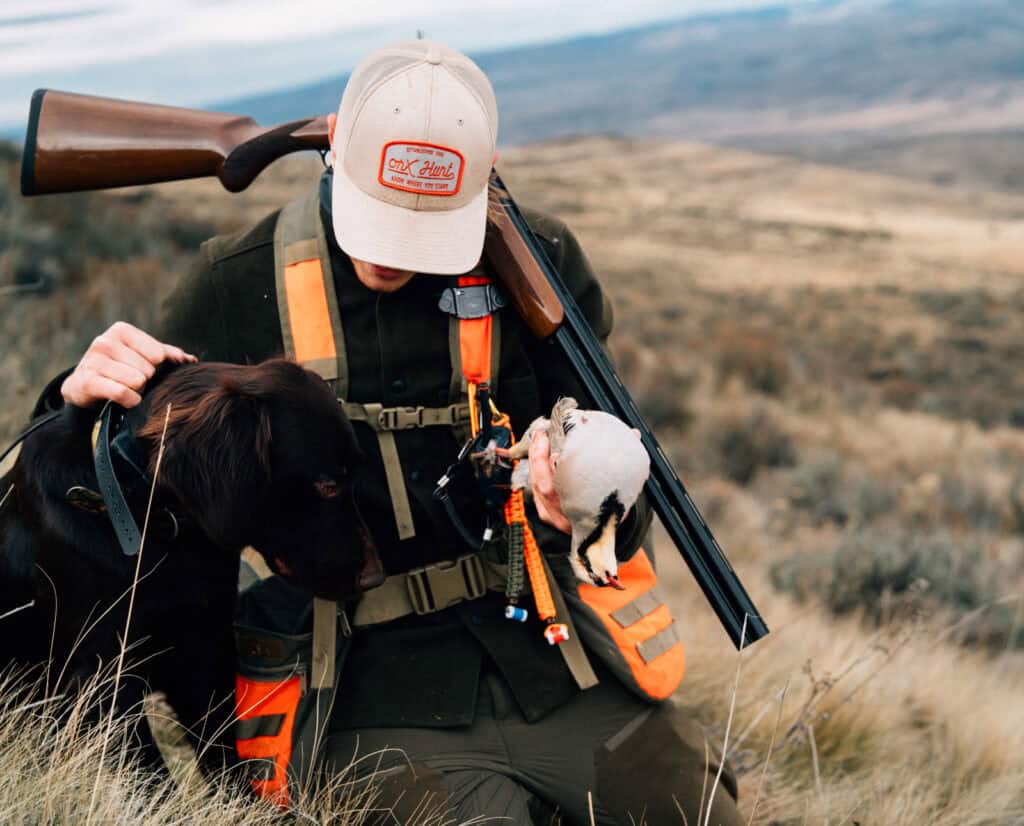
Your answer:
<point x="599" y="467"/>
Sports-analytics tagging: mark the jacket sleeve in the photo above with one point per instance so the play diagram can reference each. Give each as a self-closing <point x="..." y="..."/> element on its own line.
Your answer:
<point x="50" y="398"/>
<point x="556" y="377"/>
<point x="192" y="316"/>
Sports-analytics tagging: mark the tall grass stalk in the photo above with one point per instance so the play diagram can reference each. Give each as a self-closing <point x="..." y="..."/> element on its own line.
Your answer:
<point x="728" y="722"/>
<point x="14" y="611"/>
<point x="768" y="756"/>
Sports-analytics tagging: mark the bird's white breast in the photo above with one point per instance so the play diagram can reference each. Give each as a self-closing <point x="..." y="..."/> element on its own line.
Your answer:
<point x="601" y="454"/>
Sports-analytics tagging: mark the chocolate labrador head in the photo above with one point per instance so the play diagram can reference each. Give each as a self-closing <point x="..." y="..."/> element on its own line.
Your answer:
<point x="263" y="456"/>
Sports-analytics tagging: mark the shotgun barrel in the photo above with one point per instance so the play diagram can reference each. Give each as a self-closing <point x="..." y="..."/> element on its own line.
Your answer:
<point x="679" y="515"/>
<point x="77" y="142"/>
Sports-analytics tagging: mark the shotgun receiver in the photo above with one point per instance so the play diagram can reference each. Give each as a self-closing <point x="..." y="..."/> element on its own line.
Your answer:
<point x="78" y="142"/>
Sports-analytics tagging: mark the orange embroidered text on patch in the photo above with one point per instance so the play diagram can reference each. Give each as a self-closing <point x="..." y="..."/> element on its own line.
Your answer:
<point x="423" y="168"/>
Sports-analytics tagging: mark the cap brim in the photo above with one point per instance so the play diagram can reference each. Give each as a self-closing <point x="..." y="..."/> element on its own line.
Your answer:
<point x="446" y="242"/>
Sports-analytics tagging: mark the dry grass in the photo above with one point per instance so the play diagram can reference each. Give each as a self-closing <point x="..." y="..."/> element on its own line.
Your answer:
<point x="57" y="766"/>
<point x="907" y="728"/>
<point x="832" y="360"/>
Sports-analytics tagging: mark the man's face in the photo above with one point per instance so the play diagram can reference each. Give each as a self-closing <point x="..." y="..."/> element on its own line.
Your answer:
<point x="381" y="279"/>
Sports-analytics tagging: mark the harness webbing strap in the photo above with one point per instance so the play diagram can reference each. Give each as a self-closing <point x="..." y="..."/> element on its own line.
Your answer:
<point x="396" y="484"/>
<point x="436" y="587"/>
<point x="305" y="250"/>
<point x="475" y="340"/>
<point x="306" y="299"/>
<point x="312" y="342"/>
<point x="325" y="631"/>
<point x="474" y="347"/>
<point x="574" y="656"/>
<point x="444" y="584"/>
<point x="385" y="420"/>
<point x="311" y="325"/>
<point x="406" y="418"/>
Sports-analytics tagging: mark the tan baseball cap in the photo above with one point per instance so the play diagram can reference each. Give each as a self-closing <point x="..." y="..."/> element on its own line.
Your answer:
<point x="414" y="144"/>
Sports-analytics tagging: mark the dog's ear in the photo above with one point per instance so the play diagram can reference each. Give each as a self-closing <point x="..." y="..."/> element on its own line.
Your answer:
<point x="216" y="456"/>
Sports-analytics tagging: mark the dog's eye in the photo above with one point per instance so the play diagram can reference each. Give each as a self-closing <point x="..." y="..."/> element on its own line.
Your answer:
<point x="326" y="488"/>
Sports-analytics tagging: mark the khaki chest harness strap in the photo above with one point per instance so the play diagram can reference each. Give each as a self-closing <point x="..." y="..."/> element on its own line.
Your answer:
<point x="313" y="336"/>
<point x="312" y="333"/>
<point x="306" y="301"/>
<point x="386" y="420"/>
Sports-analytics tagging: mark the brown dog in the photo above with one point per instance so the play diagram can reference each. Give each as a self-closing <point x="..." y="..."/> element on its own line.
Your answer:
<point x="254" y="456"/>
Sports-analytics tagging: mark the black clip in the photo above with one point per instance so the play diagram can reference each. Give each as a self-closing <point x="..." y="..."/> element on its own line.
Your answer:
<point x="440" y="492"/>
<point x="474" y="301"/>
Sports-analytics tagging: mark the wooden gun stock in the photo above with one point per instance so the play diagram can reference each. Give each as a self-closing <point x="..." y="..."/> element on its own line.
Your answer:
<point x="509" y="257"/>
<point x="78" y="142"/>
<point x="81" y="142"/>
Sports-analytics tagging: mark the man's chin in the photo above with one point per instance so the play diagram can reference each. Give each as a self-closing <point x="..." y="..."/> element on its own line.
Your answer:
<point x="380" y="278"/>
<point x="387" y="286"/>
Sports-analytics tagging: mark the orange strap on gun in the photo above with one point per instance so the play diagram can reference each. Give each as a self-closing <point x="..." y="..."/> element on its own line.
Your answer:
<point x="78" y="142"/>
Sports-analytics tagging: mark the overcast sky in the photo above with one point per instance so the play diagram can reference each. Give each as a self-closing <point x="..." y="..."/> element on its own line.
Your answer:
<point x="192" y="52"/>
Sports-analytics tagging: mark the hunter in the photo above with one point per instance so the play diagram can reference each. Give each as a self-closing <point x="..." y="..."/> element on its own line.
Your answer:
<point x="490" y="718"/>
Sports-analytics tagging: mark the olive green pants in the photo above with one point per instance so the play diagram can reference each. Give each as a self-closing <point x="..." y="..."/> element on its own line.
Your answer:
<point x="640" y="763"/>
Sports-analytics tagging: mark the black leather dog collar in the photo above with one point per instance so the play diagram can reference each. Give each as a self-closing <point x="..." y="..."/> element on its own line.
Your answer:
<point x="125" y="527"/>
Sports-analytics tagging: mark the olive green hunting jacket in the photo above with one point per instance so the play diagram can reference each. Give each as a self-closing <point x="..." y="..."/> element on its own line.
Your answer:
<point x="398" y="354"/>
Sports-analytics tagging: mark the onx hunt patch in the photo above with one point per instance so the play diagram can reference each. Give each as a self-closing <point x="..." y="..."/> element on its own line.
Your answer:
<point x="423" y="168"/>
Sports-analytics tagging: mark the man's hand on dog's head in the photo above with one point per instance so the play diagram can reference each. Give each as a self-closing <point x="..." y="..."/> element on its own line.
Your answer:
<point x="117" y="366"/>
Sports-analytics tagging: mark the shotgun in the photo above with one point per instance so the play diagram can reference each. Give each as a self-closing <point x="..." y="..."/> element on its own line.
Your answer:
<point x="79" y="142"/>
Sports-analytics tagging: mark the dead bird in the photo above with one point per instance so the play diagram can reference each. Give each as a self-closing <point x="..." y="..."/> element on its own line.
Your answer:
<point x="599" y="467"/>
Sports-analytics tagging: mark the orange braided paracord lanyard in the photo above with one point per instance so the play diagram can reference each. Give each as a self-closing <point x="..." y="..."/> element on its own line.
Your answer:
<point x="515" y="512"/>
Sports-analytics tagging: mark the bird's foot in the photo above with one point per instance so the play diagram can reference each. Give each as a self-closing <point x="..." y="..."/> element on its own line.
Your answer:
<point x="491" y="458"/>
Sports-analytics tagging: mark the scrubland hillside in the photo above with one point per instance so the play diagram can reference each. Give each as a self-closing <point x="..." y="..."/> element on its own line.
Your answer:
<point x="833" y="361"/>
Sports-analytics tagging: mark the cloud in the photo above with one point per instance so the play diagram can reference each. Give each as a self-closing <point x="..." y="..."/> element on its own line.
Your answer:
<point x="48" y="17"/>
<point x="195" y="51"/>
<point x="127" y="30"/>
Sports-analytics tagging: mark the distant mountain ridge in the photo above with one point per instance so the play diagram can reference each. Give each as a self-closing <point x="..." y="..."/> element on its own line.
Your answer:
<point x="834" y="80"/>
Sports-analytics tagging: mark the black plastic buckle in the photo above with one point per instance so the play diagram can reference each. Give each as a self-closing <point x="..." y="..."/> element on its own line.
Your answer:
<point x="474" y="301"/>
